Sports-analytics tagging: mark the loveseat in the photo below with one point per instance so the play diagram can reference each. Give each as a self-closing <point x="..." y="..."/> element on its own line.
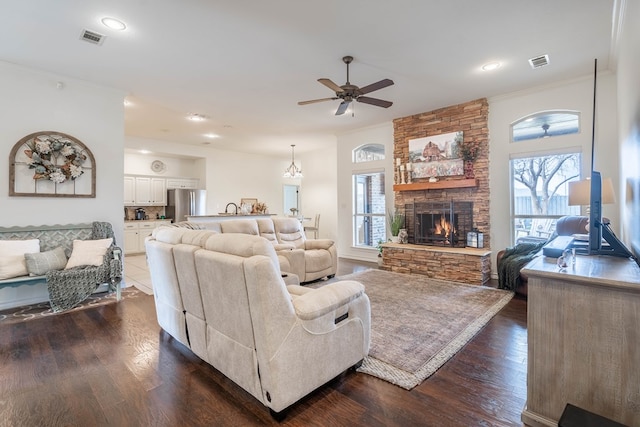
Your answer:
<point x="309" y="259"/>
<point x="58" y="256"/>
<point x="222" y="296"/>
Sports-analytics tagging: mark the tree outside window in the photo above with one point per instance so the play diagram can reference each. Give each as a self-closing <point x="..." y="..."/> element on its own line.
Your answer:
<point x="540" y="193"/>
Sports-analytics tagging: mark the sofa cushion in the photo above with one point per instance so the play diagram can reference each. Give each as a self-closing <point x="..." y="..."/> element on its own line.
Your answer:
<point x="12" y="261"/>
<point x="289" y="231"/>
<point x="244" y="247"/>
<point x="240" y="226"/>
<point x="88" y="252"/>
<point x="38" y="264"/>
<point x="317" y="260"/>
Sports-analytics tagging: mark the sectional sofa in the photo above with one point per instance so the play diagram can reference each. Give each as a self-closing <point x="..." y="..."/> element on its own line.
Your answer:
<point x="309" y="259"/>
<point x="222" y="296"/>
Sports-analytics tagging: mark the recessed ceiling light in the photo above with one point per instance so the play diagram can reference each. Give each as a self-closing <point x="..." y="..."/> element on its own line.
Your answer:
<point x="211" y="135"/>
<point x="196" y="117"/>
<point x="490" y="66"/>
<point x="113" y="23"/>
<point x="127" y="103"/>
<point x="144" y="151"/>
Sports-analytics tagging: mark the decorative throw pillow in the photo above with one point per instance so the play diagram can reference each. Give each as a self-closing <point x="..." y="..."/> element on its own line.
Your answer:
<point x="12" y="262"/>
<point x="38" y="264"/>
<point x="88" y="252"/>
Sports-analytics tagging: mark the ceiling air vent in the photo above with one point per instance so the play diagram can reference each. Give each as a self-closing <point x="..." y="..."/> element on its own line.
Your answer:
<point x="92" y="37"/>
<point x="539" y="61"/>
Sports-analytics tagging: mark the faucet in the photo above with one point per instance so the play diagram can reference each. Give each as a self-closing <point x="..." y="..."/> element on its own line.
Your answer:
<point x="227" y="207"/>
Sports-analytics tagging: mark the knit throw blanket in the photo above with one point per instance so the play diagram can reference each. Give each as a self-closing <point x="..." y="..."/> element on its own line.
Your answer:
<point x="512" y="261"/>
<point x="67" y="288"/>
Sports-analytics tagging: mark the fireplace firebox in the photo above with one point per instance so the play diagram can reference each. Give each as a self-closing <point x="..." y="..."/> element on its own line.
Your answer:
<point x="439" y="223"/>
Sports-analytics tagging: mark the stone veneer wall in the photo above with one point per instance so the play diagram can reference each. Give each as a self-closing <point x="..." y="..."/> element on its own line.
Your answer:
<point x="471" y="118"/>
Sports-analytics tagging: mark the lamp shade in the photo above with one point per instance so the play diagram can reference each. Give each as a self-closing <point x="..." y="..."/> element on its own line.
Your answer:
<point x="580" y="192"/>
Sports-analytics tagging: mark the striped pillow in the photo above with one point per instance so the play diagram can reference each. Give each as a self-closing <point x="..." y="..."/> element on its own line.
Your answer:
<point x="39" y="263"/>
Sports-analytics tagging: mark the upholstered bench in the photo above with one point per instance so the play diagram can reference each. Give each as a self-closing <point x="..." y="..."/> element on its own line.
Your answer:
<point x="33" y="255"/>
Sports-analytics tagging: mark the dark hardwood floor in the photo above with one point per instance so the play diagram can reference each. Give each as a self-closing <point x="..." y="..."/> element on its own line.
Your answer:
<point x="113" y="366"/>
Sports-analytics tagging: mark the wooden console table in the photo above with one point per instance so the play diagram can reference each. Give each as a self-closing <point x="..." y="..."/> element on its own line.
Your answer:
<point x="583" y="327"/>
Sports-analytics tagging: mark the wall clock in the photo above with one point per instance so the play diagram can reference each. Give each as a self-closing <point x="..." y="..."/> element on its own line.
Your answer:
<point x="158" y="167"/>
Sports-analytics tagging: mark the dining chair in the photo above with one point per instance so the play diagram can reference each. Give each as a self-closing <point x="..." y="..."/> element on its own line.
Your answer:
<point x="315" y="227"/>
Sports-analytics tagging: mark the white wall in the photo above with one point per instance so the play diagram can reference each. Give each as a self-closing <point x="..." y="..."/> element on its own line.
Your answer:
<point x="140" y="164"/>
<point x="347" y="142"/>
<point x="228" y="175"/>
<point x="629" y="125"/>
<point x="31" y="102"/>
<point x="573" y="95"/>
<point x="318" y="189"/>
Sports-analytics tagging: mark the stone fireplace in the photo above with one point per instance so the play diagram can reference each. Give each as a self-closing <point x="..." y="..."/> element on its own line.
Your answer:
<point x="439" y="223"/>
<point x="440" y="212"/>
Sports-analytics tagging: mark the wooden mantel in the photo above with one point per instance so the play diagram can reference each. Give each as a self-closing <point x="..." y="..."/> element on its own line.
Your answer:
<point x="438" y="185"/>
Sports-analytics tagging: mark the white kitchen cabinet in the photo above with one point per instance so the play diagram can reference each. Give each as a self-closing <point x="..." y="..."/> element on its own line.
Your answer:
<point x="145" y="191"/>
<point x="130" y="238"/>
<point x="135" y="232"/>
<point x="158" y="191"/>
<point x="129" y="191"/>
<point x="145" y="228"/>
<point x="190" y="183"/>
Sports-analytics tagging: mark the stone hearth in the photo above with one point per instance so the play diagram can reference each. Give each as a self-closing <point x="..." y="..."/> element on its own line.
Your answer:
<point x="465" y="265"/>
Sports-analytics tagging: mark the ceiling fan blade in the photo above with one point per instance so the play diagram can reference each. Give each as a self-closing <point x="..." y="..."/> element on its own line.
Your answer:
<point x="313" y="101"/>
<point x="375" y="86"/>
<point x="331" y="85"/>
<point x="342" y="107"/>
<point x="375" y="101"/>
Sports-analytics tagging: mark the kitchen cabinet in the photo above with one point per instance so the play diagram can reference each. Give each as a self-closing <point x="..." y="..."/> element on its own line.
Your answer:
<point x="190" y="183"/>
<point x="135" y="232"/>
<point x="129" y="191"/>
<point x="145" y="191"/>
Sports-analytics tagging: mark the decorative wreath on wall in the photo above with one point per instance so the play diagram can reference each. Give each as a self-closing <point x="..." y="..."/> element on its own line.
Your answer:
<point x="43" y="152"/>
<point x="51" y="164"/>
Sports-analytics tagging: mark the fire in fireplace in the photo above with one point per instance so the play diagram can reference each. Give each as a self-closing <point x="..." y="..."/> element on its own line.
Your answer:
<point x="440" y="223"/>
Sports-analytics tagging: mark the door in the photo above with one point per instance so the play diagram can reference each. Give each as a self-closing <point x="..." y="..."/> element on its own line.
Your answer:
<point x="290" y="197"/>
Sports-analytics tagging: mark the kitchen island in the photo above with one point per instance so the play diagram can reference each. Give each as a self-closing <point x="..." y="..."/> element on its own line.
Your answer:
<point x="225" y="217"/>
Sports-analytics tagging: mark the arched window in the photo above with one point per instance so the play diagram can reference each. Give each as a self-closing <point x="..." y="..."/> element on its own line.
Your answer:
<point x="545" y="124"/>
<point x="368" y="153"/>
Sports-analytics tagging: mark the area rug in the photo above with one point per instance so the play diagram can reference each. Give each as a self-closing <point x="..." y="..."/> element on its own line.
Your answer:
<point x="418" y="323"/>
<point x="41" y="310"/>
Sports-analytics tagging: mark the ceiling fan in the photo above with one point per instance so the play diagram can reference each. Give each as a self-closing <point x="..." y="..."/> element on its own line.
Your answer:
<point x="348" y="92"/>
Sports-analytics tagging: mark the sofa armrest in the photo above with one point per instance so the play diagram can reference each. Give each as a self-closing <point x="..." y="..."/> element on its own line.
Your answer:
<point x="318" y="244"/>
<point x="326" y="299"/>
<point x="283" y="247"/>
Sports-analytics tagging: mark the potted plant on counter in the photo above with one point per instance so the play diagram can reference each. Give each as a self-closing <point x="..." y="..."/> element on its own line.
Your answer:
<point x="396" y="222"/>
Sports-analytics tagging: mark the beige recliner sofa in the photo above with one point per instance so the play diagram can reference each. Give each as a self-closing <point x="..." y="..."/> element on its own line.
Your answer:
<point x="309" y="259"/>
<point x="222" y="296"/>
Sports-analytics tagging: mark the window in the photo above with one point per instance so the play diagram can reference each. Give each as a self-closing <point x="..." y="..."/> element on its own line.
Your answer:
<point x="545" y="124"/>
<point x="368" y="153"/>
<point x="540" y="193"/>
<point x="369" y="220"/>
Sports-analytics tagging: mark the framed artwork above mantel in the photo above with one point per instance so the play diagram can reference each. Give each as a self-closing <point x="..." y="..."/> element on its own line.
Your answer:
<point x="436" y="155"/>
<point x="51" y="164"/>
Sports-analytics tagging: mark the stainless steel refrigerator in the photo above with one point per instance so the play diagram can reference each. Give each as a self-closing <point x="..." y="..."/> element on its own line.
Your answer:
<point x="182" y="202"/>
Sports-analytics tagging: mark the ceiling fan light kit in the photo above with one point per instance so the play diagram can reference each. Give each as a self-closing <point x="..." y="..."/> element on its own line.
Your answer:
<point x="348" y="92"/>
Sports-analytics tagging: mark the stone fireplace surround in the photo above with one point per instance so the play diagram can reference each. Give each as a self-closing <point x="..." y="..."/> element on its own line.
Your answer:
<point x="468" y="265"/>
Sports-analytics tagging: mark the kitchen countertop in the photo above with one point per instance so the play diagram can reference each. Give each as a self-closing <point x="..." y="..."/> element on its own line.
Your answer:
<point x="150" y="219"/>
<point x="225" y="217"/>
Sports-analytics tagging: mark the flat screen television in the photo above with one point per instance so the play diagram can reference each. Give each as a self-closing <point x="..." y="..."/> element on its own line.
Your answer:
<point x="600" y="230"/>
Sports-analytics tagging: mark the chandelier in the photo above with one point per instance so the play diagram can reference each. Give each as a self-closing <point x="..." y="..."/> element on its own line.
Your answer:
<point x="292" y="171"/>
